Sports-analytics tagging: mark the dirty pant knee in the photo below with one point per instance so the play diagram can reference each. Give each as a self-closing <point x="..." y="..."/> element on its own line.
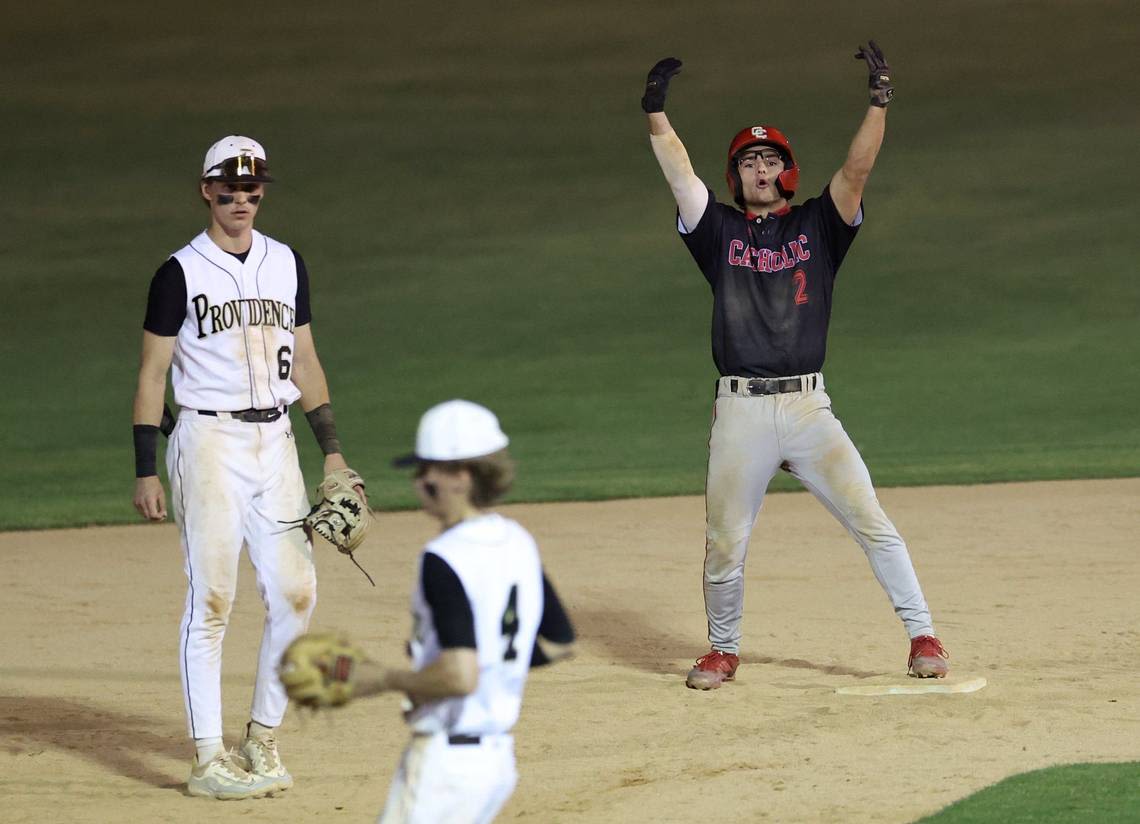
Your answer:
<point x="204" y="624"/>
<point x="200" y="657"/>
<point x="725" y="551"/>
<point x="287" y="618"/>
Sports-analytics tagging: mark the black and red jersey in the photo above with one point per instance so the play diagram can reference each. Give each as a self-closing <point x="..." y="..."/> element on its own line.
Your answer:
<point x="772" y="280"/>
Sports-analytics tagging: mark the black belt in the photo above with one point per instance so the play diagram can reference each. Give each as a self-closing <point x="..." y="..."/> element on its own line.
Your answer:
<point x="770" y="386"/>
<point x="248" y="415"/>
<point x="463" y="739"/>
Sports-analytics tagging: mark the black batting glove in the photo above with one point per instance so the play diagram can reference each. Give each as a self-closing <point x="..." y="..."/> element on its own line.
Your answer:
<point x="657" y="84"/>
<point x="880" y="79"/>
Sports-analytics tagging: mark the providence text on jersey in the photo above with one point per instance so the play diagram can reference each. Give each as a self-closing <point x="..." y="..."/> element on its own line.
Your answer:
<point x="241" y="312"/>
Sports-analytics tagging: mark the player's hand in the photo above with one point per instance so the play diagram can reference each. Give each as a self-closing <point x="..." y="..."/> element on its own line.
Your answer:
<point x="150" y="498"/>
<point x="879" y="80"/>
<point x="657" y="84"/>
<point x="336" y="461"/>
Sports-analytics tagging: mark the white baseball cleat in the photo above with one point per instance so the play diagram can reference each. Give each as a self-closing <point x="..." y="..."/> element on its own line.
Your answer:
<point x="222" y="777"/>
<point x="260" y="758"/>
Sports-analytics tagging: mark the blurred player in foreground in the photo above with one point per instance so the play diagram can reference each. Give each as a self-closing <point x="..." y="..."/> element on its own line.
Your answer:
<point x="484" y="614"/>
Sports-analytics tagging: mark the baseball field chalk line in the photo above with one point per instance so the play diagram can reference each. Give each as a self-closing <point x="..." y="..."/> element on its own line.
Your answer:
<point x="973" y="685"/>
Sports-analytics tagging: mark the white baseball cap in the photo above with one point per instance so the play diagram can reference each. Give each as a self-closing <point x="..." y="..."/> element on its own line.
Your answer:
<point x="455" y="431"/>
<point x="234" y="159"/>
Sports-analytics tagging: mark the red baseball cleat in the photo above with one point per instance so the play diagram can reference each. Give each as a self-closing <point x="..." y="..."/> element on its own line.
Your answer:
<point x="712" y="670"/>
<point x="927" y="658"/>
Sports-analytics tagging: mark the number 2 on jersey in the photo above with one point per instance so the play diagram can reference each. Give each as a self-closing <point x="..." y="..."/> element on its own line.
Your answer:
<point x="800" y="277"/>
<point x="510" y="623"/>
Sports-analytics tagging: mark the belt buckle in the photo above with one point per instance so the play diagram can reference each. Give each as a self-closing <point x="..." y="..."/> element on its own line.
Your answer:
<point x="763" y="386"/>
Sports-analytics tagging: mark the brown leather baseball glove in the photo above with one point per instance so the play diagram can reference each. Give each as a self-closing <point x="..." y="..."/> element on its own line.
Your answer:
<point x="340" y="515"/>
<point x="317" y="670"/>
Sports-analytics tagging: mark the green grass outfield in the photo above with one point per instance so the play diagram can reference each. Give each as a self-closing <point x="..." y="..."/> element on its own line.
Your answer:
<point x="1071" y="794"/>
<point x="483" y="218"/>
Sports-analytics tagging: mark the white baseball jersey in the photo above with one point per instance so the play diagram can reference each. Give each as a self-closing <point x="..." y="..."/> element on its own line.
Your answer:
<point x="498" y="565"/>
<point x="235" y="346"/>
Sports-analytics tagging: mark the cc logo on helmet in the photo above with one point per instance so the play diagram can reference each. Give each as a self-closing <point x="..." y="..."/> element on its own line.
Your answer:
<point x="759" y="131"/>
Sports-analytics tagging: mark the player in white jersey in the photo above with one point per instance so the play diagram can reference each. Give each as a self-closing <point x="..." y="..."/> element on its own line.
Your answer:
<point x="484" y="614"/>
<point x="229" y="313"/>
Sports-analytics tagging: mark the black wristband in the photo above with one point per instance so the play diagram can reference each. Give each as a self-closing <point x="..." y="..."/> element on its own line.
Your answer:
<point x="324" y="428"/>
<point x="146" y="450"/>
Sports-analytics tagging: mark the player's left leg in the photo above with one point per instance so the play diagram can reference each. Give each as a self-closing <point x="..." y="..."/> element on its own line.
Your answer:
<point x="821" y="455"/>
<point x="282" y="558"/>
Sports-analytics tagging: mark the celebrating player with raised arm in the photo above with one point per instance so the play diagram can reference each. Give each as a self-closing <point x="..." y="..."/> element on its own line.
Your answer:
<point x="484" y="613"/>
<point x="230" y="312"/>
<point x="772" y="268"/>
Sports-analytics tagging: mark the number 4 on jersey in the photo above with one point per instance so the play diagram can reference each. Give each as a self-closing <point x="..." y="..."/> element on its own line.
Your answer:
<point x="510" y="623"/>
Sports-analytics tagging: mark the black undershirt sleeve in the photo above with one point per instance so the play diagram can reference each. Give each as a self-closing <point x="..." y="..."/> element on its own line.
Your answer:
<point x="450" y="609"/>
<point x="304" y="313"/>
<point x="555" y="625"/>
<point x="166" y="303"/>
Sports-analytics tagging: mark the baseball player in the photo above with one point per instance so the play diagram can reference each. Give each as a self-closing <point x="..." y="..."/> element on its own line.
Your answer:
<point x="772" y="268"/>
<point x="229" y="312"/>
<point x="484" y="613"/>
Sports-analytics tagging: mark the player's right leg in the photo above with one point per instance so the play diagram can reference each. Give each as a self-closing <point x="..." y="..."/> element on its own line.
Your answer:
<point x="207" y="487"/>
<point x="209" y="490"/>
<point x="743" y="457"/>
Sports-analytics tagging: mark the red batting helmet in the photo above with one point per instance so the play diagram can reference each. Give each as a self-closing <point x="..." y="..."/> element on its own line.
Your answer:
<point x="786" y="181"/>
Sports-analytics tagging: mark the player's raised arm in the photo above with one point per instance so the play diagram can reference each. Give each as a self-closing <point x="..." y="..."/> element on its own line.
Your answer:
<point x="848" y="183"/>
<point x="688" y="190"/>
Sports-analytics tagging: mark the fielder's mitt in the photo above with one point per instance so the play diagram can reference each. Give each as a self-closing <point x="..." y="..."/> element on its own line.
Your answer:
<point x="341" y="515"/>
<point x="318" y="670"/>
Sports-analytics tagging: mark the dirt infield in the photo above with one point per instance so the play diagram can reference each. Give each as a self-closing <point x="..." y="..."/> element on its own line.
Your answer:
<point x="1033" y="586"/>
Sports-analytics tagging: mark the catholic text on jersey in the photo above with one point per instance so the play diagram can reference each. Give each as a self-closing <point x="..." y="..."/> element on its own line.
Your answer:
<point x="768" y="260"/>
